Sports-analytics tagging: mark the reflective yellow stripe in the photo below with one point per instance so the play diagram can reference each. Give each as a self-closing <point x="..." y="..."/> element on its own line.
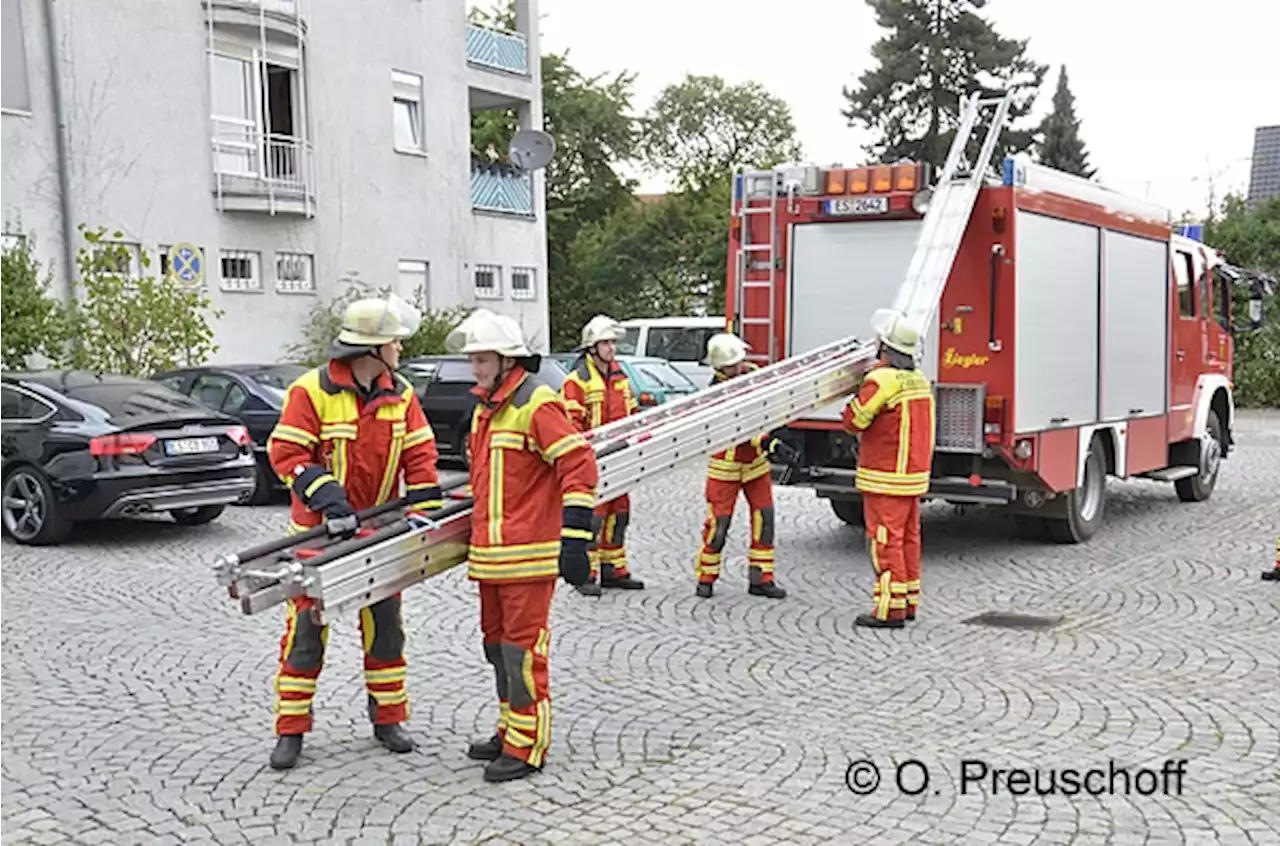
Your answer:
<point x="386" y="676"/>
<point x="392" y="472"/>
<point x="564" y="446"/>
<point x="577" y="534"/>
<point x="904" y="440"/>
<point x="497" y="472"/>
<point x="515" y="552"/>
<point x="506" y="440"/>
<point x="419" y="436"/>
<point x="294" y="435"/>
<point x="532" y="568"/>
<point x="293" y="707"/>
<point x="543" y="736"/>
<point x="578" y="500"/>
<point x="320" y="482"/>
<point x="522" y="722"/>
<point x="336" y="431"/>
<point x="516" y="738"/>
<point x="340" y="461"/>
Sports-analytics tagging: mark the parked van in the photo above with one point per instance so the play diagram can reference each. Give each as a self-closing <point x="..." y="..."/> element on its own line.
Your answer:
<point x="680" y="340"/>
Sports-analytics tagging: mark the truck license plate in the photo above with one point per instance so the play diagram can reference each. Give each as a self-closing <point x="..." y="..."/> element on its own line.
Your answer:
<point x="191" y="446"/>
<point x="857" y="205"/>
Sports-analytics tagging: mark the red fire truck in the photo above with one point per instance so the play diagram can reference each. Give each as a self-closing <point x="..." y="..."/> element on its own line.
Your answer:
<point x="1079" y="335"/>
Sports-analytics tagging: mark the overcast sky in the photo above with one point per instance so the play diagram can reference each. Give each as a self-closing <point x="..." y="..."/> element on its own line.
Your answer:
<point x="1168" y="91"/>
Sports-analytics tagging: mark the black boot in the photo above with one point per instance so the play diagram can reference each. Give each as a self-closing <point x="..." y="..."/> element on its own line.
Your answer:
<point x="485" y="750"/>
<point x="1272" y="575"/>
<point x="285" y="755"/>
<point x="623" y="583"/>
<point x="770" y="589"/>
<point x="704" y="589"/>
<point x="506" y="768"/>
<point x="588" y="589"/>
<point x="871" y="621"/>
<point x="393" y="738"/>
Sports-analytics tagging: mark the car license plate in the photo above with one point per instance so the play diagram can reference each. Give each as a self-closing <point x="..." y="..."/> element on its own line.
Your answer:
<point x="857" y="205"/>
<point x="191" y="446"/>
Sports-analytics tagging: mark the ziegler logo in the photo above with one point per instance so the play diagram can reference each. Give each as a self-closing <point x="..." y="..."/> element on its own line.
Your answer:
<point x="951" y="358"/>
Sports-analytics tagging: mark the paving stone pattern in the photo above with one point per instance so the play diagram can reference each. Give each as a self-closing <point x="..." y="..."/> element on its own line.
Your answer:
<point x="137" y="698"/>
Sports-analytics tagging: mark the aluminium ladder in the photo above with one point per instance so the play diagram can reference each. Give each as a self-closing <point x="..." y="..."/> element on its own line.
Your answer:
<point x="398" y="552"/>
<point x="757" y="255"/>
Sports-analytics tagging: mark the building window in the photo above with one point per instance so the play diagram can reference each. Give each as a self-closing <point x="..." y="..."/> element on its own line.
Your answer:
<point x="295" y="273"/>
<point x="256" y="116"/>
<point x="15" y="92"/>
<point x="522" y="283"/>
<point x="118" y="257"/>
<point x="488" y="282"/>
<point x="239" y="270"/>
<point x="413" y="278"/>
<point x="407" y="114"/>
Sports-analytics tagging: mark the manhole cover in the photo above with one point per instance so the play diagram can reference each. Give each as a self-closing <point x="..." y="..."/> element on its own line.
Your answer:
<point x="1010" y="620"/>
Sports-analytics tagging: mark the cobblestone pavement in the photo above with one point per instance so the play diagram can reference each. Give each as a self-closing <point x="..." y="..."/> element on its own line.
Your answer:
<point x="137" y="699"/>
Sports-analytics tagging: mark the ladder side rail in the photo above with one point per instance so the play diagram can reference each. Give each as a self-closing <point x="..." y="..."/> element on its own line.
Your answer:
<point x="716" y="393"/>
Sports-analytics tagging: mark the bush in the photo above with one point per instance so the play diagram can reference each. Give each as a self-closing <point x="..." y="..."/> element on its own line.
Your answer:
<point x="34" y="322"/>
<point x="136" y="325"/>
<point x="325" y="322"/>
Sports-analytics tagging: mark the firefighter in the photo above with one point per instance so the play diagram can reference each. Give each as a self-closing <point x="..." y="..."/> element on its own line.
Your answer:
<point x="350" y="431"/>
<point x="534" y="478"/>
<point x="894" y="412"/>
<point x="597" y="392"/>
<point x="1273" y="575"/>
<point x="745" y="469"/>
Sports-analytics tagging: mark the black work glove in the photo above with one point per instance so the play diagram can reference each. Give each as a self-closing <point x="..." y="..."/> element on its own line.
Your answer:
<point x="340" y="519"/>
<point x="784" y="452"/>
<point x="575" y="536"/>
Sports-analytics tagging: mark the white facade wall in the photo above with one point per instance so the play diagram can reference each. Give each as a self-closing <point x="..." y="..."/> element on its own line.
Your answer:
<point x="137" y="101"/>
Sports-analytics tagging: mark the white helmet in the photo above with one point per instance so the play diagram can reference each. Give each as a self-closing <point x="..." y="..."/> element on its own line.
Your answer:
<point x="725" y="349"/>
<point x="484" y="331"/>
<point x="896" y="330"/>
<point x="374" y="322"/>
<point x="600" y="328"/>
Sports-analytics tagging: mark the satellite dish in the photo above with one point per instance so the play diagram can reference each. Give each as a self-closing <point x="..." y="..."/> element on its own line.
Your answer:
<point x="531" y="149"/>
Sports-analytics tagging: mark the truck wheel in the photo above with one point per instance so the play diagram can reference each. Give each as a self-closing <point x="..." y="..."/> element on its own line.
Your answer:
<point x="1199" y="487"/>
<point x="849" y="511"/>
<point x="1086" y="504"/>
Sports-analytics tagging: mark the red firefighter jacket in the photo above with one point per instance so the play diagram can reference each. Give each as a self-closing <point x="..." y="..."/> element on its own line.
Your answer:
<point x="744" y="462"/>
<point x="594" y="399"/>
<point x="368" y="445"/>
<point x="895" y="411"/>
<point x="528" y="463"/>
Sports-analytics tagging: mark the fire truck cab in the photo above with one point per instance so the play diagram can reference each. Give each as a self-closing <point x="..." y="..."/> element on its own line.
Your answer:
<point x="1079" y="335"/>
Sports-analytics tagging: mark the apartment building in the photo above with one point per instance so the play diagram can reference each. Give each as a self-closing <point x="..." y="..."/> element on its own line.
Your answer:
<point x="296" y="143"/>
<point x="1264" y="169"/>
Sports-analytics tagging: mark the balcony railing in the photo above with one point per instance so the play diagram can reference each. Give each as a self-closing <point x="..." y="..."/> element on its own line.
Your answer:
<point x="275" y="172"/>
<point x="496" y="190"/>
<point x="491" y="48"/>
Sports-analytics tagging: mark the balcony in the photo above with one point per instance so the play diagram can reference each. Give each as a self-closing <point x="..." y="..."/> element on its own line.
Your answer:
<point x="276" y="18"/>
<point x="493" y="49"/>
<point x="260" y="172"/>
<point x="502" y="191"/>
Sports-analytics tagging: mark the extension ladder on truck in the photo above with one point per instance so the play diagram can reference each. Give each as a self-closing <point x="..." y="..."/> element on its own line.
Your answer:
<point x="394" y="552"/>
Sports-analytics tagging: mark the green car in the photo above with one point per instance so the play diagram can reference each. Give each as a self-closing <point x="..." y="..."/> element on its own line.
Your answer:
<point x="653" y="380"/>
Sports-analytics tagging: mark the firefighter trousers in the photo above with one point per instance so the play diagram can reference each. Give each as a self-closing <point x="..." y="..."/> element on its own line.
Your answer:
<point x="608" y="552"/>
<point x="721" y="498"/>
<point x="517" y="641"/>
<point x="893" y="540"/>
<point x="302" y="657"/>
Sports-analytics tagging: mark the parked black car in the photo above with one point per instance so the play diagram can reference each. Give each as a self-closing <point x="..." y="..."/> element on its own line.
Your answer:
<point x="84" y="446"/>
<point x="443" y="384"/>
<point x="252" y="393"/>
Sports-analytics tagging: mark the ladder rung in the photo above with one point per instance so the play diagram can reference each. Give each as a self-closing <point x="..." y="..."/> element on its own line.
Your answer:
<point x="758" y="283"/>
<point x="755" y="248"/>
<point x="757" y="321"/>
<point x="757" y="209"/>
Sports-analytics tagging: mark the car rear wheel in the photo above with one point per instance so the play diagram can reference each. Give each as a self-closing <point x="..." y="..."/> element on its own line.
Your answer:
<point x="197" y="516"/>
<point x="264" y="489"/>
<point x="30" y="513"/>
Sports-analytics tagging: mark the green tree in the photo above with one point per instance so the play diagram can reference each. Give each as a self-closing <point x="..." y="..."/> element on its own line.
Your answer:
<point x="34" y="322"/>
<point x="701" y="128"/>
<point x="1060" y="145"/>
<point x="324" y="322"/>
<point x="1252" y="240"/>
<point x="936" y="54"/>
<point x="140" y="324"/>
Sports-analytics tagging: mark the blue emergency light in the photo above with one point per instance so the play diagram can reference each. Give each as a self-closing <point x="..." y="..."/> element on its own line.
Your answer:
<point x="1194" y="231"/>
